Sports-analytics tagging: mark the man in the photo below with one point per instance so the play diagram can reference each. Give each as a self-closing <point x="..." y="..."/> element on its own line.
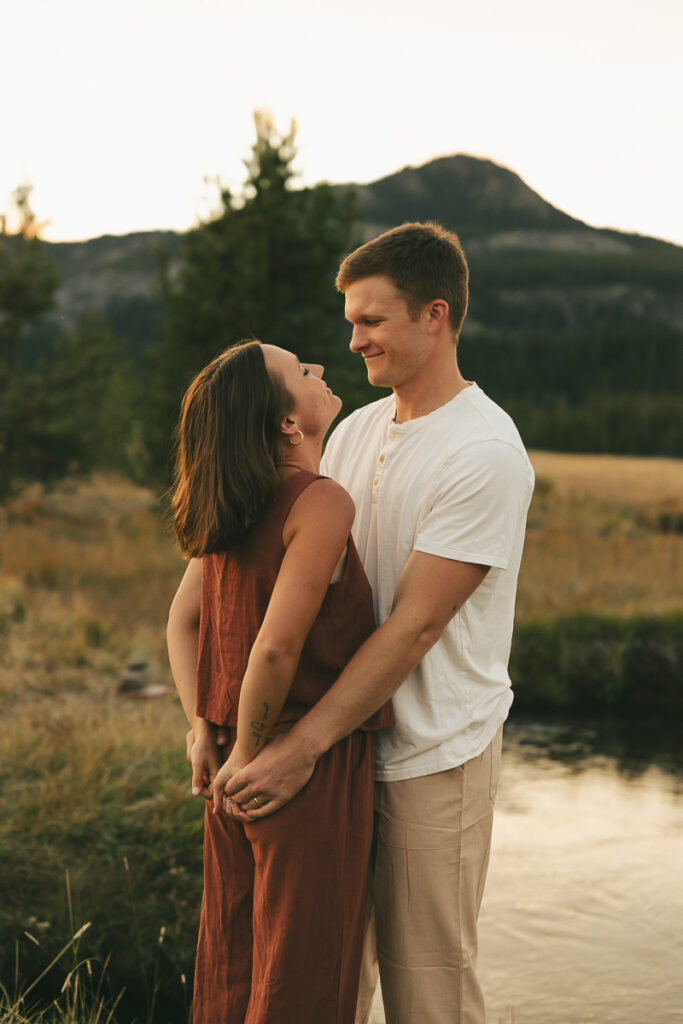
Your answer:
<point x="441" y="484"/>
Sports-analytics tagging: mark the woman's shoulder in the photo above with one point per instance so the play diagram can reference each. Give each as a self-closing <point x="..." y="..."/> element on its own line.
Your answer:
<point x="323" y="490"/>
<point x="303" y="480"/>
<point x="321" y="500"/>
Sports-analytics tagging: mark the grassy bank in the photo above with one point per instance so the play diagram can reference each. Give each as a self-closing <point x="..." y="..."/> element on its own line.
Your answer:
<point x="593" y="663"/>
<point x="96" y="785"/>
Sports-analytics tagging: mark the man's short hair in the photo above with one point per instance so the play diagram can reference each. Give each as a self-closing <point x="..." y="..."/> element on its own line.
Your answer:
<point x="423" y="261"/>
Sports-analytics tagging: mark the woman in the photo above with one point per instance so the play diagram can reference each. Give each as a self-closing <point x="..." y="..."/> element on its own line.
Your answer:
<point x="273" y="603"/>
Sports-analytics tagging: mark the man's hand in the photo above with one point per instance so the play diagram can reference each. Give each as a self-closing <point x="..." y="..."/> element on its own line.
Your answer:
<point x="271" y="780"/>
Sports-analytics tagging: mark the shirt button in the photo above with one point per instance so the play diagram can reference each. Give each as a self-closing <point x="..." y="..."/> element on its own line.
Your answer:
<point x="376" y="481"/>
<point x="381" y="458"/>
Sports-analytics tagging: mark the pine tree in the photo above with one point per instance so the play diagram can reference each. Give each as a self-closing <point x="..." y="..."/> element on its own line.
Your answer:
<point x="263" y="267"/>
<point x="27" y="284"/>
<point x="74" y="411"/>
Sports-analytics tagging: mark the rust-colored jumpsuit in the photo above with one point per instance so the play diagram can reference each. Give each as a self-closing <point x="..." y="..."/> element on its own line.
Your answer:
<point x="283" y="912"/>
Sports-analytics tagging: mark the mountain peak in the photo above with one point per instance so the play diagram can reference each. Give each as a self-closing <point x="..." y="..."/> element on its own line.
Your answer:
<point x="467" y="194"/>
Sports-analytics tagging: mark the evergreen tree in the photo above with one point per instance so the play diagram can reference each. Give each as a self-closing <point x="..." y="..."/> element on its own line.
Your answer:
<point x="263" y="267"/>
<point x="27" y="285"/>
<point x="74" y="412"/>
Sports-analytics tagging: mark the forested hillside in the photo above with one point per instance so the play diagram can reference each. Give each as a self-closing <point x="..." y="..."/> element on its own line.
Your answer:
<point x="578" y="331"/>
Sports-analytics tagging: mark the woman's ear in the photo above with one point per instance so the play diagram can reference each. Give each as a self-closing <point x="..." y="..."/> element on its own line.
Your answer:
<point x="288" y="427"/>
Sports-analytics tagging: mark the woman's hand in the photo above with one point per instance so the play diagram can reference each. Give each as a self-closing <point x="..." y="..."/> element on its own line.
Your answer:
<point x="222" y="739"/>
<point x="221" y="801"/>
<point x="205" y="756"/>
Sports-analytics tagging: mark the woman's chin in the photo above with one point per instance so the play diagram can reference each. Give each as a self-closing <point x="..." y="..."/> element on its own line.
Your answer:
<point x="336" y="408"/>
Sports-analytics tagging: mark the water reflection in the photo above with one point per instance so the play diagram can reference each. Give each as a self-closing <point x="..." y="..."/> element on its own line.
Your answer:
<point x="582" y="921"/>
<point x="583" y="914"/>
<point x="632" y="745"/>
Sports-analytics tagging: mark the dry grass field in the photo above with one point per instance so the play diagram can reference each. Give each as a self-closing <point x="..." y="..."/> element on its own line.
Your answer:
<point x="634" y="482"/>
<point x="87" y="571"/>
<point x="605" y="535"/>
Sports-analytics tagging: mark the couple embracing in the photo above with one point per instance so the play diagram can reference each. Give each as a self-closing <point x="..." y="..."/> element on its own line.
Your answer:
<point x="340" y="642"/>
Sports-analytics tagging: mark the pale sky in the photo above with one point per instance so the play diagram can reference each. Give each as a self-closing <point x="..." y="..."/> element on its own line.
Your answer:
<point x="117" y="110"/>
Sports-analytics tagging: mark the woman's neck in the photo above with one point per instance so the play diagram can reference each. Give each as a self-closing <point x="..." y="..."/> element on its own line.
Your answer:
<point x="297" y="457"/>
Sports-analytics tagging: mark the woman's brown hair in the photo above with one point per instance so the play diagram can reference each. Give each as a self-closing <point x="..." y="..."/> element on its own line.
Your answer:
<point x="228" y="452"/>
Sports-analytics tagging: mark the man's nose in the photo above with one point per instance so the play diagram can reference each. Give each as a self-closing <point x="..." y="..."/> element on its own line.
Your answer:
<point x="358" y="340"/>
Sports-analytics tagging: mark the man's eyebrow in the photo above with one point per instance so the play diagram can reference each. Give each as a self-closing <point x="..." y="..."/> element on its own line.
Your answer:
<point x="362" y="315"/>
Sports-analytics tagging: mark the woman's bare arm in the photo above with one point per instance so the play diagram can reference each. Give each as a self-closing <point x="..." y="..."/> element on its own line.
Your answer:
<point x="316" y="534"/>
<point x="182" y="637"/>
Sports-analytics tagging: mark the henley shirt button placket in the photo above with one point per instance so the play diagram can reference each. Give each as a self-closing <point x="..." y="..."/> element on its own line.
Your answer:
<point x="379" y="472"/>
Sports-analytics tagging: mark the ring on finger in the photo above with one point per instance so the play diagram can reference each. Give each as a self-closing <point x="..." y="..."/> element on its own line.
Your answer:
<point x="256" y="801"/>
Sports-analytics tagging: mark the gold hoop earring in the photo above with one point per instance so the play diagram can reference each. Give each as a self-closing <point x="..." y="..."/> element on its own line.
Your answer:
<point x="295" y="443"/>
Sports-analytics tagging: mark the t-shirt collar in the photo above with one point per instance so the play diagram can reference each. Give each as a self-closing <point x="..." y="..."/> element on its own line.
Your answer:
<point x="430" y="417"/>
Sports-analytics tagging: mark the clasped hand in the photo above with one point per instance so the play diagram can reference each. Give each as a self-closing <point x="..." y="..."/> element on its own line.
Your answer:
<point x="211" y="771"/>
<point x="253" y="790"/>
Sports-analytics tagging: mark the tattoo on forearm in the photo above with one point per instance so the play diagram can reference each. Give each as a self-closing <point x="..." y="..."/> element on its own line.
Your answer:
<point x="257" y="728"/>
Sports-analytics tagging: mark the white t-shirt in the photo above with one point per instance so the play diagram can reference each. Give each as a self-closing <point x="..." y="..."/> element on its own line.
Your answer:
<point x="456" y="483"/>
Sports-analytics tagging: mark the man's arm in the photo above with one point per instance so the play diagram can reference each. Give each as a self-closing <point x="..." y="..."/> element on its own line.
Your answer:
<point x="430" y="591"/>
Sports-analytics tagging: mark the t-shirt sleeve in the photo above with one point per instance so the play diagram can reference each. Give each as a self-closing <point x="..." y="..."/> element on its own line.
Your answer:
<point x="476" y="504"/>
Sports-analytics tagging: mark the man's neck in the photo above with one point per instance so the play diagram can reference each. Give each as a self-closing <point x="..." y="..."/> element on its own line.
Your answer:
<point x="420" y="397"/>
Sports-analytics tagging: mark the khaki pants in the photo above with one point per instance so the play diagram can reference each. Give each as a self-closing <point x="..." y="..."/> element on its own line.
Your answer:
<point x="433" y="839"/>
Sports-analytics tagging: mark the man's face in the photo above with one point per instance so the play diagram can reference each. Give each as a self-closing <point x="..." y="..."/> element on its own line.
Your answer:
<point x="395" y="347"/>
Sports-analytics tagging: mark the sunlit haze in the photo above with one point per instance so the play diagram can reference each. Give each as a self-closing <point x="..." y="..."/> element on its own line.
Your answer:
<point x="117" y="110"/>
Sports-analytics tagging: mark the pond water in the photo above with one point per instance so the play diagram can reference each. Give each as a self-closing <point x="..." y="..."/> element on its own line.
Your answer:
<point x="582" y="920"/>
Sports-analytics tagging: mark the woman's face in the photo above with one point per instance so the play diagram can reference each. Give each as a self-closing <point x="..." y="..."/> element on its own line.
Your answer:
<point x="315" y="405"/>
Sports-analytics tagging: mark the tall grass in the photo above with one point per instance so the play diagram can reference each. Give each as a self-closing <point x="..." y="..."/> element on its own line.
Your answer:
<point x="89" y="782"/>
<point x="81" y="998"/>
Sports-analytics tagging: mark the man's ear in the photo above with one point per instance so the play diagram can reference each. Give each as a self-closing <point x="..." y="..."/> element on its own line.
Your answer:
<point x="437" y="314"/>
